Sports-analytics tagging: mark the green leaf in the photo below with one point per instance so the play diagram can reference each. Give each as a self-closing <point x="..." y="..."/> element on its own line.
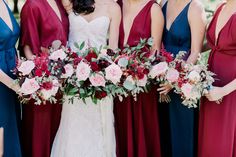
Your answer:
<point x="82" y="45"/>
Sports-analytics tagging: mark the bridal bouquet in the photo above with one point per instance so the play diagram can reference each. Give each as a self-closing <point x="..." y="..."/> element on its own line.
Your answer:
<point x="92" y="74"/>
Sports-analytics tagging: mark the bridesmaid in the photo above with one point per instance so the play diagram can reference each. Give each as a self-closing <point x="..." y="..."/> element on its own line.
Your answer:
<point x="184" y="31"/>
<point x="9" y="33"/>
<point x="217" y="115"/>
<point x="42" y="22"/>
<point x="137" y="127"/>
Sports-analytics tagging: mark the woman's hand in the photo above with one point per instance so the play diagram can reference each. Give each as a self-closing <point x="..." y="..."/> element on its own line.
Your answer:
<point x="215" y="94"/>
<point x="164" y="88"/>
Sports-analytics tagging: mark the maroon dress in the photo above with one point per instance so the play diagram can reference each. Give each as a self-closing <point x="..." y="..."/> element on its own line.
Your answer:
<point x="40" y="26"/>
<point x="136" y="122"/>
<point x="217" y="128"/>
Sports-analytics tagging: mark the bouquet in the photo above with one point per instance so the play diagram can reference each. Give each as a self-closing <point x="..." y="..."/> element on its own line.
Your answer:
<point x="92" y="74"/>
<point x="135" y="63"/>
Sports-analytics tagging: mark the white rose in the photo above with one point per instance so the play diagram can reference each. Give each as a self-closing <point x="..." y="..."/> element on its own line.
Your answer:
<point x="194" y="76"/>
<point x="142" y="82"/>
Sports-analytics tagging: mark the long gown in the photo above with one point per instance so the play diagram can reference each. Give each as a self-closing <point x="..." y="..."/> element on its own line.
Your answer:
<point x="217" y="134"/>
<point x="178" y="124"/>
<point x="40" y="26"/>
<point x="8" y="104"/>
<point x="137" y="126"/>
<point x="86" y="130"/>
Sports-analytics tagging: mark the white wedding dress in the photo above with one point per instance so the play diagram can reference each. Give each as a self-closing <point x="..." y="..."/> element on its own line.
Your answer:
<point x="86" y="130"/>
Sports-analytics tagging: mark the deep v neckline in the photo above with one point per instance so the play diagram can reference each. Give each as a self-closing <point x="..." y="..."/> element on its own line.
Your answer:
<point x="217" y="36"/>
<point x="132" y="25"/>
<point x="175" y="19"/>
<point x="59" y="17"/>
<point x="11" y="28"/>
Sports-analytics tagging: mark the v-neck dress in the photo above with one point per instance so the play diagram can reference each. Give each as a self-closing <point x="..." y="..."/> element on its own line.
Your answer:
<point x="8" y="100"/>
<point x="178" y="124"/>
<point x="40" y="26"/>
<point x="136" y="122"/>
<point x="217" y="127"/>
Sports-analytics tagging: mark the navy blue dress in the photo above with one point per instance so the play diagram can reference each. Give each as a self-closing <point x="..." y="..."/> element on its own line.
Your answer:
<point x="178" y="124"/>
<point x="8" y="101"/>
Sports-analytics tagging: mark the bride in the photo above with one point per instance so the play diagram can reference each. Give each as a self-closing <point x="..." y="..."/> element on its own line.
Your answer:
<point x="87" y="130"/>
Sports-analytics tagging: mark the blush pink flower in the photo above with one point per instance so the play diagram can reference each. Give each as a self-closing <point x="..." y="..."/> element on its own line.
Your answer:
<point x="113" y="73"/>
<point x="172" y="75"/>
<point x="97" y="79"/>
<point x="29" y="86"/>
<point x="187" y="90"/>
<point x="69" y="70"/>
<point x="82" y="71"/>
<point x="158" y="69"/>
<point x="26" y="67"/>
<point x="58" y="54"/>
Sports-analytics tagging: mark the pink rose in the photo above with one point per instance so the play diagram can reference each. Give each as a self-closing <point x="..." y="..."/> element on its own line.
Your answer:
<point x="158" y="69"/>
<point x="113" y="73"/>
<point x="82" y="71"/>
<point x="142" y="82"/>
<point x="58" y="54"/>
<point x="26" y="67"/>
<point x="29" y="86"/>
<point x="187" y="90"/>
<point x="52" y="92"/>
<point x="97" y="79"/>
<point x="69" y="70"/>
<point x="172" y="75"/>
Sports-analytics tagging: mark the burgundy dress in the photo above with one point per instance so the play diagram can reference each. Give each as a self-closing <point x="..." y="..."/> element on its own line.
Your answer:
<point x="217" y="128"/>
<point x="136" y="122"/>
<point x="40" y="26"/>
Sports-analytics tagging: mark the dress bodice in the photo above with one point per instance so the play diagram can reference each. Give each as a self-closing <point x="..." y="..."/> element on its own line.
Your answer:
<point x="93" y="33"/>
<point x="178" y="36"/>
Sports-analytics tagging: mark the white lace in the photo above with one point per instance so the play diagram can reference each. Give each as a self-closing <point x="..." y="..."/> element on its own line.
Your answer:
<point x="86" y="130"/>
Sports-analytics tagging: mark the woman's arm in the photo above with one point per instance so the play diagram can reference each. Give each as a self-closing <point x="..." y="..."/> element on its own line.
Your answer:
<point x="8" y="81"/>
<point x="67" y="5"/>
<point x="115" y="12"/>
<point x="1" y="142"/>
<point x="157" y="25"/>
<point x="219" y="92"/>
<point x="197" y="21"/>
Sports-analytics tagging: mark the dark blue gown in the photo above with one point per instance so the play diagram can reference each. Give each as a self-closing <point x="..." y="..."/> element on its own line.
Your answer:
<point x="8" y="101"/>
<point x="178" y="124"/>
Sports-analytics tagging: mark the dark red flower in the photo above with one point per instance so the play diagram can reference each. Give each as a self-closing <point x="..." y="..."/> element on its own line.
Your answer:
<point x="47" y="85"/>
<point x="94" y="66"/>
<point x="167" y="55"/>
<point x="110" y="52"/>
<point x="100" y="94"/>
<point x="44" y="67"/>
<point x="90" y="56"/>
<point x="38" y="72"/>
<point x="74" y="55"/>
<point x="47" y="72"/>
<point x="77" y="60"/>
<point x="146" y="71"/>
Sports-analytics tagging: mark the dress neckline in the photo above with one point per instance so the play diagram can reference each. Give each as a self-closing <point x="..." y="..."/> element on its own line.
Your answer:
<point x="177" y="17"/>
<point x="132" y="25"/>
<point x="11" y="28"/>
